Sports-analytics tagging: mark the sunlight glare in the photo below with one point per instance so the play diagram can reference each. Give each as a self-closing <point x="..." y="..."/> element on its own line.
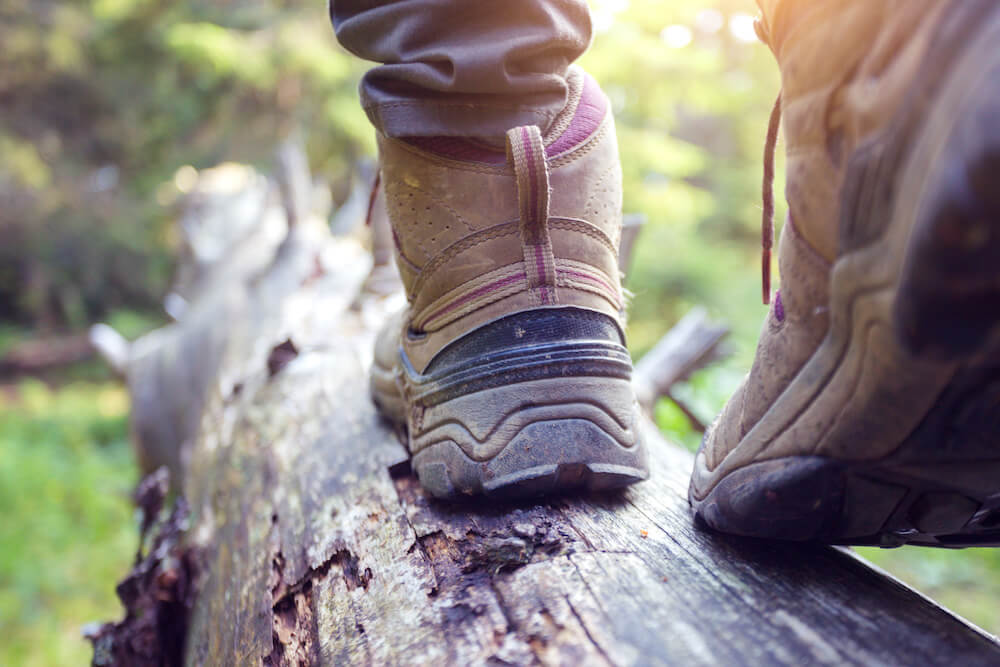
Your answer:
<point x="676" y="36"/>
<point x="709" y="21"/>
<point x="741" y="27"/>
<point x="603" y="13"/>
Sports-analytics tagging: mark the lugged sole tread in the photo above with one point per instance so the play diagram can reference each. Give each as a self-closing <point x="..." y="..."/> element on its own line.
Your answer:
<point x="544" y="458"/>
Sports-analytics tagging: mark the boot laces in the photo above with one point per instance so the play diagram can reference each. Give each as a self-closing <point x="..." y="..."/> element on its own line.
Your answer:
<point x="767" y="190"/>
<point x="767" y="194"/>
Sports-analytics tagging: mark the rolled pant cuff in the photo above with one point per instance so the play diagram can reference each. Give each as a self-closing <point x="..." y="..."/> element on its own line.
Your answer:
<point x="428" y="118"/>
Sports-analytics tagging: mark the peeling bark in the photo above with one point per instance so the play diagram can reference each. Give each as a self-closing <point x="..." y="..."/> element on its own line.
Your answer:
<point x="158" y="594"/>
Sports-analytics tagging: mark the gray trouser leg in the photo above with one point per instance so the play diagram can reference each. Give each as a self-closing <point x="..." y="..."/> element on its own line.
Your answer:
<point x="463" y="67"/>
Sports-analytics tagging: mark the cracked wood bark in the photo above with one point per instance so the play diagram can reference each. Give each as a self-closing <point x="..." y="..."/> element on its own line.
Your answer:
<point x="317" y="546"/>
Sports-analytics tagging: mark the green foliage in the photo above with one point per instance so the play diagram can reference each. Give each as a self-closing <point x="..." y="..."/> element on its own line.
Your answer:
<point x="68" y="535"/>
<point x="966" y="582"/>
<point x="99" y="107"/>
<point x="102" y="102"/>
<point x="691" y="124"/>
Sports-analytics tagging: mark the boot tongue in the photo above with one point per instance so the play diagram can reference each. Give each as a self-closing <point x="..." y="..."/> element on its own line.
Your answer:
<point x="768" y="10"/>
<point x="768" y="28"/>
<point x="778" y="16"/>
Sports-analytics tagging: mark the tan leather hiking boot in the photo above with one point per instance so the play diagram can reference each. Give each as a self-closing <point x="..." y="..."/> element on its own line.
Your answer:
<point x="509" y="367"/>
<point x="872" y="412"/>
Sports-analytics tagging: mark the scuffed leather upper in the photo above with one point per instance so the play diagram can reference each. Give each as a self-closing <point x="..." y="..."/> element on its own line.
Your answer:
<point x="845" y="69"/>
<point x="453" y="206"/>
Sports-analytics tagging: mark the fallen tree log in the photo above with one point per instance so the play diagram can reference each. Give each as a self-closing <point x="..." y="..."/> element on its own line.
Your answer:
<point x="309" y="540"/>
<point x="36" y="357"/>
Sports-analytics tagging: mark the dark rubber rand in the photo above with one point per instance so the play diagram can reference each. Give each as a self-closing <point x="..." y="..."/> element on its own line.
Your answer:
<point x="813" y="498"/>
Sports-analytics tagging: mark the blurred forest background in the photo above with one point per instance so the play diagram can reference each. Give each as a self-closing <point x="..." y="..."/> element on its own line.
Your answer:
<point x="106" y="109"/>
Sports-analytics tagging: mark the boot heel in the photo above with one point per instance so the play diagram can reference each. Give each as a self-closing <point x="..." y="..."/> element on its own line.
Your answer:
<point x="536" y="403"/>
<point x="540" y="437"/>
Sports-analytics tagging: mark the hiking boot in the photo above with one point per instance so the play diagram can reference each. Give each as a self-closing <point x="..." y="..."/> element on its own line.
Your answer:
<point x="871" y="414"/>
<point x="509" y="367"/>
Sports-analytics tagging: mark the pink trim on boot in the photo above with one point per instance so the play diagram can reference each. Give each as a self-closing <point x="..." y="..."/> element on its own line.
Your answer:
<point x="591" y="110"/>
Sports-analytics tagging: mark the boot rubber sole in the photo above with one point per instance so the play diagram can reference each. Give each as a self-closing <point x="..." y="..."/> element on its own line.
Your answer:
<point x="900" y="405"/>
<point x="537" y="403"/>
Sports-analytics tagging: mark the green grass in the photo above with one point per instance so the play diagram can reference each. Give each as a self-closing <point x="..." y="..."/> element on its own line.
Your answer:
<point x="68" y="532"/>
<point x="967" y="582"/>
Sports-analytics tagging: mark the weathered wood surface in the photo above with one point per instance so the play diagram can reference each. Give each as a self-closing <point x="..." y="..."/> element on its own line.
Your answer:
<point x="316" y="544"/>
<point x="327" y="551"/>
